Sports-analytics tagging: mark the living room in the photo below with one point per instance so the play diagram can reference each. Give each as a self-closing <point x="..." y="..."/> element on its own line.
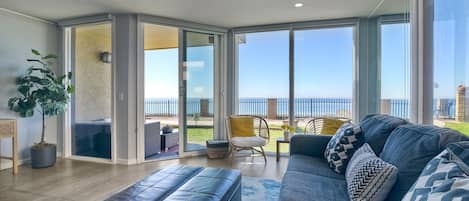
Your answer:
<point x="233" y="100"/>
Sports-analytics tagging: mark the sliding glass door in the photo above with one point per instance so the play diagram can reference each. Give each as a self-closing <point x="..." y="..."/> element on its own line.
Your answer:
<point x="178" y="102"/>
<point x="198" y="71"/>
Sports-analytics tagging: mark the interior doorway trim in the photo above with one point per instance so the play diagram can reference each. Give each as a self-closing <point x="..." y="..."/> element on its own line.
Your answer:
<point x="68" y="51"/>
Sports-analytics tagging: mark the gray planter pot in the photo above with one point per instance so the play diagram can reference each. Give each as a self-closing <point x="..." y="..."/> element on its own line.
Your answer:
<point x="43" y="155"/>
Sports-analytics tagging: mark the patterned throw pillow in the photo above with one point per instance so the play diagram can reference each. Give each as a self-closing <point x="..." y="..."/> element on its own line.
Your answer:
<point x="369" y="177"/>
<point x="342" y="145"/>
<point x="446" y="177"/>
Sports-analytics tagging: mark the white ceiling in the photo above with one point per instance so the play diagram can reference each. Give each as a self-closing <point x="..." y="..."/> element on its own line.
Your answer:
<point x="224" y="13"/>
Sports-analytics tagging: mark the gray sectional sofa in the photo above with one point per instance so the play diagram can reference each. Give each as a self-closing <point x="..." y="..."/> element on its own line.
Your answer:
<point x="407" y="146"/>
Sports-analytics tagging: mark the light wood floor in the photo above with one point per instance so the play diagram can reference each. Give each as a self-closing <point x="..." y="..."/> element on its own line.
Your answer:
<point x="82" y="181"/>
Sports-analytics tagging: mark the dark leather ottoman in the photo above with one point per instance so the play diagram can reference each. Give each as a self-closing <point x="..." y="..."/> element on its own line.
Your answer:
<point x="177" y="183"/>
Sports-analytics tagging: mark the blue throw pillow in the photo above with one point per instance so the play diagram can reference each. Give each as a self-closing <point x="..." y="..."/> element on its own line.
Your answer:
<point x="446" y="177"/>
<point x="342" y="145"/>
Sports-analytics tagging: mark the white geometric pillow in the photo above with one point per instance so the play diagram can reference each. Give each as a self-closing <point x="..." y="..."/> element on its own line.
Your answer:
<point x="369" y="177"/>
<point x="348" y="138"/>
<point x="446" y="177"/>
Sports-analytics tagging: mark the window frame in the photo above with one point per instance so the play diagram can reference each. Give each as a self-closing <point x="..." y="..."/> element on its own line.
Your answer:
<point x="292" y="27"/>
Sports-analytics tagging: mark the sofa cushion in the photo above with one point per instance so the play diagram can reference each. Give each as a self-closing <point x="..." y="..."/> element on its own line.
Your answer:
<point x="309" y="145"/>
<point x="342" y="145"/>
<point x="255" y="141"/>
<point x="446" y="177"/>
<point x="369" y="177"/>
<point x="377" y="127"/>
<point x="312" y="165"/>
<point x="410" y="147"/>
<point x="299" y="186"/>
<point x="242" y="126"/>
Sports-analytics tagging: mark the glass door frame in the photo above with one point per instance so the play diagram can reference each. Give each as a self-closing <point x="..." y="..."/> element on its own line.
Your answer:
<point x="219" y="82"/>
<point x="68" y="51"/>
<point x="183" y="87"/>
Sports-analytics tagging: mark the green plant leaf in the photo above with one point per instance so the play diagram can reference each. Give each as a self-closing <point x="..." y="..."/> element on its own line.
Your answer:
<point x="50" y="56"/>
<point x="35" y="52"/>
<point x="70" y="89"/>
<point x="69" y="75"/>
<point x="23" y="89"/>
<point x="61" y="79"/>
<point x="21" y="80"/>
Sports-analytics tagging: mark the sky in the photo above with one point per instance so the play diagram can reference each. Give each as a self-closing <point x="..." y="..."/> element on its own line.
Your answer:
<point x="324" y="60"/>
<point x="323" y="65"/>
<point x="451" y="46"/>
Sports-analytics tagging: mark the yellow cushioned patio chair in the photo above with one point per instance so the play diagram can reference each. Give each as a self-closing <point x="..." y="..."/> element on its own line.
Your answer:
<point x="247" y="132"/>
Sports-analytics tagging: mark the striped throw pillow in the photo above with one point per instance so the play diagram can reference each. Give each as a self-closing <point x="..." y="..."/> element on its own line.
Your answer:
<point x="369" y="177"/>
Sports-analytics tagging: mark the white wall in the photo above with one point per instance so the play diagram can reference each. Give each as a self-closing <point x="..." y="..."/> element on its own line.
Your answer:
<point x="18" y="35"/>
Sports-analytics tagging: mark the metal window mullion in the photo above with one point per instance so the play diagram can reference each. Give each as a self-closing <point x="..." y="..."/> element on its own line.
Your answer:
<point x="291" y="102"/>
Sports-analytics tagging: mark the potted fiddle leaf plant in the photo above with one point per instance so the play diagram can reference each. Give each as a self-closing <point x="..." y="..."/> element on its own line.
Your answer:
<point x="41" y="90"/>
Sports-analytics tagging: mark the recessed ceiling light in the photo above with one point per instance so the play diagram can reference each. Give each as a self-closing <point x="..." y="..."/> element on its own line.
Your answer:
<point x="297" y="5"/>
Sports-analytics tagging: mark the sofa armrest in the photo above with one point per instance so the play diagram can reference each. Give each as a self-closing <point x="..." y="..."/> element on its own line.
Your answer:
<point x="310" y="145"/>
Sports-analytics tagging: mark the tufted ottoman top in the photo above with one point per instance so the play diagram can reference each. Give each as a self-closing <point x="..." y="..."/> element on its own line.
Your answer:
<point x="182" y="182"/>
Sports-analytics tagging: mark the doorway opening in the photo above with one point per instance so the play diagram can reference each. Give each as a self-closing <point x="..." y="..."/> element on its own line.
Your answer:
<point x="161" y="55"/>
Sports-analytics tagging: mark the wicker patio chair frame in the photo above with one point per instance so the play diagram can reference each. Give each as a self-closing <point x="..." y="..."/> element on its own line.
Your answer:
<point x="261" y="129"/>
<point x="314" y="125"/>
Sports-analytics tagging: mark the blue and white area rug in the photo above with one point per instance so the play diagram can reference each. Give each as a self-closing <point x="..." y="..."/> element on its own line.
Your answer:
<point x="257" y="189"/>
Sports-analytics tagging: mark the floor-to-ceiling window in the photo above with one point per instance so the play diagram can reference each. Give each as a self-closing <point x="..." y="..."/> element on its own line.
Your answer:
<point x="290" y="76"/>
<point x="91" y="117"/>
<point x="323" y="73"/>
<point x="263" y="77"/>
<point x="451" y="64"/>
<point x="395" y="68"/>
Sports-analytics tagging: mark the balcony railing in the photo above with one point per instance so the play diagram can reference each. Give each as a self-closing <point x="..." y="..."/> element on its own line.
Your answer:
<point x="277" y="108"/>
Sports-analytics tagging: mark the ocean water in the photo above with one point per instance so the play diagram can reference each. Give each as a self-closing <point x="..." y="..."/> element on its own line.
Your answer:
<point x="304" y="107"/>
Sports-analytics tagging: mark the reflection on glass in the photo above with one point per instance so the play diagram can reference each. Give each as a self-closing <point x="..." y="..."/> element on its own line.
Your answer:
<point x="451" y="66"/>
<point x="91" y="103"/>
<point x="263" y="70"/>
<point x="199" y="83"/>
<point x="395" y="69"/>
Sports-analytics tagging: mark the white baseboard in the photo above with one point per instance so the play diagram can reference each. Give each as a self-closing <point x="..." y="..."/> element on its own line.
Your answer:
<point x="126" y="161"/>
<point x="7" y="164"/>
